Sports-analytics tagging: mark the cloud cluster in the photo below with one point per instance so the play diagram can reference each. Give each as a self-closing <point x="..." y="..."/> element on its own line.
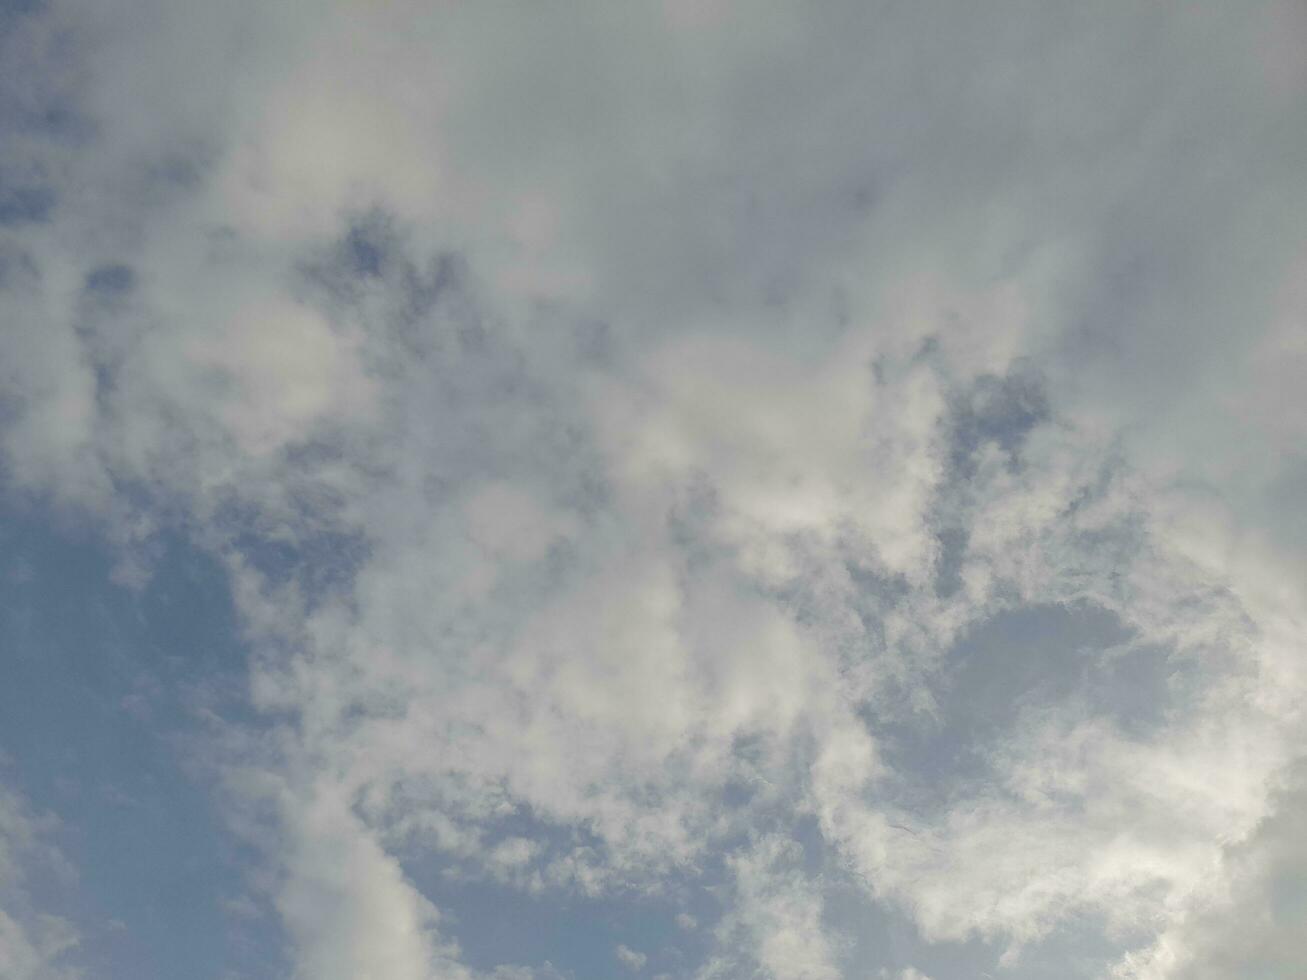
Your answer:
<point x="633" y="434"/>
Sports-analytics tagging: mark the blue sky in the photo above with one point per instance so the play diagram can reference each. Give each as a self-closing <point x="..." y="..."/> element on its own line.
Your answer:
<point x="685" y="490"/>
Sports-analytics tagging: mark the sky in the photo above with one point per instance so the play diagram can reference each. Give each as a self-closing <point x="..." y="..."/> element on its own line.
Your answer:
<point x="687" y="489"/>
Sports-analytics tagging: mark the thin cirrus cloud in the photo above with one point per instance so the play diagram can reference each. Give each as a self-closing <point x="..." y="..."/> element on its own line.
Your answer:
<point x="679" y="491"/>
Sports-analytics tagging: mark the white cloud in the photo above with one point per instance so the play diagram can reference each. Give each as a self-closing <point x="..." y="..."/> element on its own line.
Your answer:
<point x="648" y="485"/>
<point x="1250" y="924"/>
<point x="629" y="958"/>
<point x="776" y="921"/>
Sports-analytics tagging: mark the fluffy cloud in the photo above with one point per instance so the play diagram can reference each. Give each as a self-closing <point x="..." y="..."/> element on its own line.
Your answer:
<point x="776" y="921"/>
<point x="631" y="424"/>
<point x="630" y="958"/>
<point x="1250" y="926"/>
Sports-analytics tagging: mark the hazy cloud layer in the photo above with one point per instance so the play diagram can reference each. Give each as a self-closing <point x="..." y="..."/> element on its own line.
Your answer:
<point x="704" y="490"/>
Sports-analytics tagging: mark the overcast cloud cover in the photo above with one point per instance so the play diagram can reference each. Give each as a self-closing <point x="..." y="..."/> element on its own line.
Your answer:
<point x="691" y="490"/>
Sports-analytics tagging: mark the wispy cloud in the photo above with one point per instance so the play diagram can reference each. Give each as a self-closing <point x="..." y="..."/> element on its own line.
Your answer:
<point x="35" y="943"/>
<point x="735" y="460"/>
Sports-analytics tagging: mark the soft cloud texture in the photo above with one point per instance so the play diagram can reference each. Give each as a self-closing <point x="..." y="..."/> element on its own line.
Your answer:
<point x="707" y="460"/>
<point x="34" y="943"/>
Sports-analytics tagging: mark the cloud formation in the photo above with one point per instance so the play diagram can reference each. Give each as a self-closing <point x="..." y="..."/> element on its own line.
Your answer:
<point x="698" y="458"/>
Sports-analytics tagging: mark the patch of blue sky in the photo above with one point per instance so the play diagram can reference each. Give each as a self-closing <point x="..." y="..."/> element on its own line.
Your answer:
<point x="1019" y="660"/>
<point x="101" y="706"/>
<point x="577" y="935"/>
<point x="502" y="923"/>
